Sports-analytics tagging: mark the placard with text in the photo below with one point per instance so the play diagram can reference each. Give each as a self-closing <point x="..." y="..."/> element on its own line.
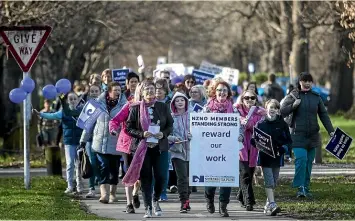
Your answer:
<point x="214" y="149"/>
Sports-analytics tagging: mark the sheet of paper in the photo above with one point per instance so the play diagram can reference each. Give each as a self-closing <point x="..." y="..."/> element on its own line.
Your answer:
<point x="154" y="130"/>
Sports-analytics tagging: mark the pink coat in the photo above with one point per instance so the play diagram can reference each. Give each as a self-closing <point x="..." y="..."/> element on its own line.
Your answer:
<point x="257" y="115"/>
<point x="124" y="140"/>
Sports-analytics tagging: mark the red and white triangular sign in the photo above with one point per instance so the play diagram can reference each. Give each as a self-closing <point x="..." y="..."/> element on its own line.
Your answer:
<point x="25" y="42"/>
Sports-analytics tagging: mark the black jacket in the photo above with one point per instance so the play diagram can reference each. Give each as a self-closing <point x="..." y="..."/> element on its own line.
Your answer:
<point x="280" y="135"/>
<point x="161" y="112"/>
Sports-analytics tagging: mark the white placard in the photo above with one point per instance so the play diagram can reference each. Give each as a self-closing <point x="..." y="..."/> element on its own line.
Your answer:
<point x="214" y="152"/>
<point x="154" y="130"/>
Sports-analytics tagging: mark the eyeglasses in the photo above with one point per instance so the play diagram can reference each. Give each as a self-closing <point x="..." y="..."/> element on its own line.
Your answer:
<point x="249" y="98"/>
<point x="222" y="90"/>
<point x="194" y="92"/>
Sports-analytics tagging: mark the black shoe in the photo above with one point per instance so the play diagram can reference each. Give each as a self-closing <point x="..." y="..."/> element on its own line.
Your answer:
<point x="249" y="207"/>
<point x="241" y="203"/>
<point x="183" y="208"/>
<point x="136" y="202"/>
<point x="173" y="189"/>
<point x="130" y="208"/>
<point x="210" y="206"/>
<point x="223" y="212"/>
<point x="194" y="189"/>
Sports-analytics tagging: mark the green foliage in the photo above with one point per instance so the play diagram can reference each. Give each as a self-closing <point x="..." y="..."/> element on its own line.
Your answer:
<point x="242" y="77"/>
<point x="259" y="78"/>
<point x="333" y="199"/>
<point x="44" y="201"/>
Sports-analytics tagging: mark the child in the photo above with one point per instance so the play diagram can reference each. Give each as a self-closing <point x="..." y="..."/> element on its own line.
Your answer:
<point x="276" y="127"/>
<point x="71" y="135"/>
<point x="180" y="149"/>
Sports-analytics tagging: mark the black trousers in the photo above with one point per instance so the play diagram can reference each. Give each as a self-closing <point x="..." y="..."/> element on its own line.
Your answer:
<point x="182" y="173"/>
<point x="172" y="177"/>
<point x="246" y="192"/>
<point x="151" y="163"/>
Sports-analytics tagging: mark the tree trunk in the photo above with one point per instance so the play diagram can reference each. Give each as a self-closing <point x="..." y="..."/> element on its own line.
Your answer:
<point x="286" y="33"/>
<point x="342" y="79"/>
<point x="298" y="54"/>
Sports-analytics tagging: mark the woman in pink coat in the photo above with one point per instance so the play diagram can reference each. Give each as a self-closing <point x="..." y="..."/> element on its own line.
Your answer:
<point x="125" y="145"/>
<point x="250" y="114"/>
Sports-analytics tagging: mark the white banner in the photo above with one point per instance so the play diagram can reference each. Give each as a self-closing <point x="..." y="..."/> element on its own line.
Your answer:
<point x="214" y="152"/>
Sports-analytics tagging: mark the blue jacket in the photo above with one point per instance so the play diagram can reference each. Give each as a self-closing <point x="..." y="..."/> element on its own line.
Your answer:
<point x="71" y="133"/>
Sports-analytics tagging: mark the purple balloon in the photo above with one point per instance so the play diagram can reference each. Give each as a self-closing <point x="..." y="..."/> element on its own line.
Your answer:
<point x="63" y="86"/>
<point x="28" y="85"/>
<point x="17" y="95"/>
<point x="49" y="92"/>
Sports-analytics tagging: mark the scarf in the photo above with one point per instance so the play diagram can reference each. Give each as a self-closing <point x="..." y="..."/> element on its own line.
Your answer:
<point x="220" y="107"/>
<point x="133" y="172"/>
<point x="111" y="103"/>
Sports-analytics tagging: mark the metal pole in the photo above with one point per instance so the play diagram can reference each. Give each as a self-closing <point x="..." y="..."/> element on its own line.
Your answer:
<point x="26" y="137"/>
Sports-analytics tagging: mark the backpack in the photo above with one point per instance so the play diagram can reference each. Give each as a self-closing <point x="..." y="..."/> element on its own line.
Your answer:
<point x="289" y="119"/>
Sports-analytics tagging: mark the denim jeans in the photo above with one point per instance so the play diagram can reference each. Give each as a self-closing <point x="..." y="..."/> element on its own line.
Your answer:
<point x="94" y="165"/>
<point x="71" y="162"/>
<point x="303" y="166"/>
<point x="271" y="176"/>
<point x="108" y="165"/>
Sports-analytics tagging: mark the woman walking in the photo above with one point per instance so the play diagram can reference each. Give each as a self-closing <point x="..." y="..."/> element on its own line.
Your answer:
<point x="305" y="129"/>
<point x="144" y="117"/>
<point x="104" y="142"/>
<point x="250" y="114"/>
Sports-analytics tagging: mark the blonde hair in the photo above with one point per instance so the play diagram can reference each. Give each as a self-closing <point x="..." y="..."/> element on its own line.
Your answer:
<point x="106" y="72"/>
<point x="94" y="77"/>
<point x="201" y="89"/>
<point x="248" y="91"/>
<point x="274" y="102"/>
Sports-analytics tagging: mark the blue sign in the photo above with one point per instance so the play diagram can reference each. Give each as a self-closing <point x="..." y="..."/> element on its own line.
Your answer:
<point x="339" y="144"/>
<point x="89" y="115"/>
<point x="197" y="108"/>
<point x="119" y="75"/>
<point x="201" y="76"/>
<point x="198" y="179"/>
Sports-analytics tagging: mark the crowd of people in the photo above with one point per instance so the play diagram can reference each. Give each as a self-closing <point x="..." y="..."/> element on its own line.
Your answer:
<point x="157" y="162"/>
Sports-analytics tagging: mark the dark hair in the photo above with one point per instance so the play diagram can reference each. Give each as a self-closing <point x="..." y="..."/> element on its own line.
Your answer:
<point x="272" y="78"/>
<point x="164" y="85"/>
<point x="256" y="87"/>
<point x="131" y="75"/>
<point x="112" y="84"/>
<point x="189" y="76"/>
<point x="182" y="87"/>
<point x="304" y="76"/>
<point x="213" y="91"/>
<point x="47" y="101"/>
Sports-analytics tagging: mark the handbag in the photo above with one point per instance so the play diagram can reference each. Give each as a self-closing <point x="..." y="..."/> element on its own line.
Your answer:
<point x="289" y="119"/>
<point x="85" y="166"/>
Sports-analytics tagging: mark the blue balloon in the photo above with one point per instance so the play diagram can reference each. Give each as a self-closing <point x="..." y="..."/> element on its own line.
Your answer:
<point x="63" y="86"/>
<point x="28" y="85"/>
<point x="49" y="92"/>
<point x="17" y="95"/>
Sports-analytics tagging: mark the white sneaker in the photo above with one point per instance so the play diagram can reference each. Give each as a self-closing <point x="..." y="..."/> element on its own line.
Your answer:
<point x="69" y="191"/>
<point x="90" y="194"/>
<point x="79" y="189"/>
<point x="157" y="209"/>
<point x="148" y="213"/>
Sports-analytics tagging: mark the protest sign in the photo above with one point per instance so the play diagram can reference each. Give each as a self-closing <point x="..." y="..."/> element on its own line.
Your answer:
<point x="230" y="75"/>
<point x="119" y="75"/>
<point x="339" y="144"/>
<point x="89" y="115"/>
<point x="201" y="76"/>
<point x="177" y="69"/>
<point x="214" y="152"/>
<point x="263" y="142"/>
<point x="197" y="108"/>
<point x="210" y="68"/>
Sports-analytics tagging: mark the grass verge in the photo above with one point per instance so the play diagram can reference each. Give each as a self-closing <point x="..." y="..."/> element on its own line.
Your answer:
<point x="333" y="199"/>
<point x="45" y="201"/>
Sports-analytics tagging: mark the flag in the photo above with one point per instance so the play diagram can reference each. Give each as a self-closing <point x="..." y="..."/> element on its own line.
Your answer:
<point x="88" y="116"/>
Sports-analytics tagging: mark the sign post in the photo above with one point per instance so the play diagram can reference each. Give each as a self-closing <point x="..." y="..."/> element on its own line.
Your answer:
<point x="25" y="43"/>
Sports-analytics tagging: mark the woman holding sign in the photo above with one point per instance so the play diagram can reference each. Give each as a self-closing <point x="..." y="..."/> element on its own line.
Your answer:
<point x="220" y="102"/>
<point x="305" y="129"/>
<point x="250" y="114"/>
<point x="198" y="96"/>
<point x="151" y="123"/>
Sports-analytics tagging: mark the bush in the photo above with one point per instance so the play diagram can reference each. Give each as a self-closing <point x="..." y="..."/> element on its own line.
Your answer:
<point x="242" y="77"/>
<point x="259" y="78"/>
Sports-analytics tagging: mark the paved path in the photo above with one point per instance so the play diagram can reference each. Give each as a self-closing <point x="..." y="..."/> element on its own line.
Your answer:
<point x="171" y="209"/>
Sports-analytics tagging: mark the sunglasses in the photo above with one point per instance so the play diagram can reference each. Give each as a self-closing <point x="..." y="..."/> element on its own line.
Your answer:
<point x="249" y="98"/>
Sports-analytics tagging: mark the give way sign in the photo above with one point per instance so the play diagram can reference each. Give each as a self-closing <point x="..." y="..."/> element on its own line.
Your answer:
<point x="25" y="42"/>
